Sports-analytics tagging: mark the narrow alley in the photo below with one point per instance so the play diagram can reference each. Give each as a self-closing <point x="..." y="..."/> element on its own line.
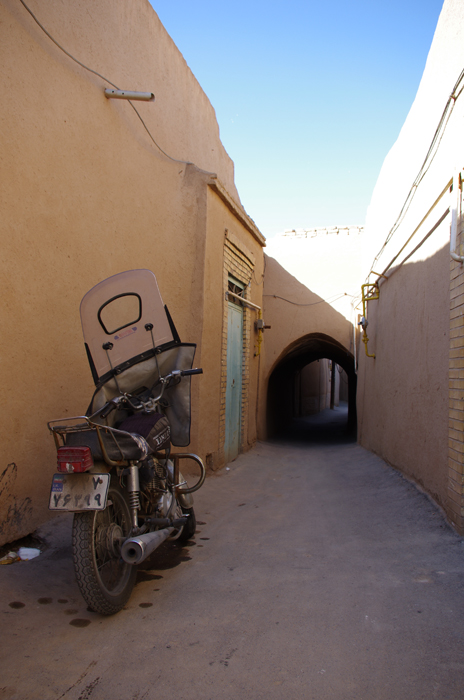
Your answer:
<point x="312" y="358"/>
<point x="317" y="572"/>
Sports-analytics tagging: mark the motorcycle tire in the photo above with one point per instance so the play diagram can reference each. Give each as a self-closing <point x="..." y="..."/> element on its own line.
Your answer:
<point x="104" y="579"/>
<point x="189" y="528"/>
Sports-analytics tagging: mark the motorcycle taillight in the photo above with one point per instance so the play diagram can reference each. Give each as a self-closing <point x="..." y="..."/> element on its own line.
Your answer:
<point x="74" y="459"/>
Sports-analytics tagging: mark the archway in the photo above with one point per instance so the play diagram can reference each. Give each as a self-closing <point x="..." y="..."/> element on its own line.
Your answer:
<point x="282" y="400"/>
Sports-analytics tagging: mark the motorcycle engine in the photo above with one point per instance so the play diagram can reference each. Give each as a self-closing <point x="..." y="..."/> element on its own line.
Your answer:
<point x="153" y="486"/>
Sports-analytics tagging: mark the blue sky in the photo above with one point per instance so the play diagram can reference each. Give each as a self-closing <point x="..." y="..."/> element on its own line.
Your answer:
<point x="309" y="96"/>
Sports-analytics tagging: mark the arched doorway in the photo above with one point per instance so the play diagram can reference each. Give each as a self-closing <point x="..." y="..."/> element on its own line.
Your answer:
<point x="306" y="362"/>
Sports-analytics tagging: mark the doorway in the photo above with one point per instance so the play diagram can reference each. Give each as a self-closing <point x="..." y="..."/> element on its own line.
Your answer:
<point x="233" y="415"/>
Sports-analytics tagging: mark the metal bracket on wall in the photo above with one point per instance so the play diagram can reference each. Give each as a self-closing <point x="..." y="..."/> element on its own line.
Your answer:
<point x="369" y="292"/>
<point x="259" y="324"/>
<point x="260" y="328"/>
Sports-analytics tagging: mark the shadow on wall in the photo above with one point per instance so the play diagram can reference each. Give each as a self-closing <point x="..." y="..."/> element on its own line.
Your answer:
<point x="294" y="411"/>
<point x="406" y="412"/>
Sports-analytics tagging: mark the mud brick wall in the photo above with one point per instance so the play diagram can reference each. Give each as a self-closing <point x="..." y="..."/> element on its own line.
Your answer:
<point x="456" y="390"/>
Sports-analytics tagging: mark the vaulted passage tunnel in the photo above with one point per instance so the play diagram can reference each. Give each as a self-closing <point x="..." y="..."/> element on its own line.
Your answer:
<point x="300" y="394"/>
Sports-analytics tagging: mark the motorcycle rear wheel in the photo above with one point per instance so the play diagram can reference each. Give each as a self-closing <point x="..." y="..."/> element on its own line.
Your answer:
<point x="104" y="579"/>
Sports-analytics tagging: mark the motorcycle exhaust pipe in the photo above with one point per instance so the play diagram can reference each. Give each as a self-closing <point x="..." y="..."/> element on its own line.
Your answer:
<point x="137" y="549"/>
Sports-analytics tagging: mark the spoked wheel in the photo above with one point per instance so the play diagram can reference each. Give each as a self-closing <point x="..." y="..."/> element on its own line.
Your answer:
<point x="104" y="579"/>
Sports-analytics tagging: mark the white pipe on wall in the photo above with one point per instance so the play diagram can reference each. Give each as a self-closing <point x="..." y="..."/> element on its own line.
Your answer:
<point x="455" y="208"/>
<point x="128" y="95"/>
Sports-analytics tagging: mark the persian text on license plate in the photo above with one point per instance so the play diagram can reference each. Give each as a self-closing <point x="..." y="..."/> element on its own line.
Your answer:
<point x="76" y="492"/>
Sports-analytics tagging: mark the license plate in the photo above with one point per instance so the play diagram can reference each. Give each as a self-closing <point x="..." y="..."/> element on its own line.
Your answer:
<point x="75" y="492"/>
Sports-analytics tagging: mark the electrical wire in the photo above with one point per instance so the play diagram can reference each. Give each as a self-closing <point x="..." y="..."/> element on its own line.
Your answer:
<point x="314" y="303"/>
<point x="176" y="160"/>
<point x="432" y="151"/>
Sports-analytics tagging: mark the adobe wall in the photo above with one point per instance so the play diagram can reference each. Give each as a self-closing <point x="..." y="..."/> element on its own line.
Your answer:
<point x="86" y="194"/>
<point x="314" y="388"/>
<point x="295" y="314"/>
<point x="329" y="261"/>
<point x="403" y="392"/>
<point x="292" y="310"/>
<point x="233" y="246"/>
<point x="412" y="390"/>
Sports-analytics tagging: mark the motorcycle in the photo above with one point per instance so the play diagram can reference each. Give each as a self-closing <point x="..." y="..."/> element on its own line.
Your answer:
<point x="116" y="470"/>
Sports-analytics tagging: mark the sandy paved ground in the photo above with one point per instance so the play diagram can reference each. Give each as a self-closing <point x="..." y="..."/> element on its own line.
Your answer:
<point x="317" y="573"/>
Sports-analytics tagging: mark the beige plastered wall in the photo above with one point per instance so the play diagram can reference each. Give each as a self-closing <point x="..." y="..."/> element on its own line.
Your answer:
<point x="410" y="394"/>
<point x="232" y="239"/>
<point x="314" y="388"/>
<point x="403" y="392"/>
<point x="299" y="313"/>
<point x="86" y="194"/>
<point x="329" y="261"/>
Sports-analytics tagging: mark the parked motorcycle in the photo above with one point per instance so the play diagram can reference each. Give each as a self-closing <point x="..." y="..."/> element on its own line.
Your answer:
<point x="116" y="471"/>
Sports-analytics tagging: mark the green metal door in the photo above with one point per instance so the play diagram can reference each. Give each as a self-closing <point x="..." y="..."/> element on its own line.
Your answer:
<point x="234" y="381"/>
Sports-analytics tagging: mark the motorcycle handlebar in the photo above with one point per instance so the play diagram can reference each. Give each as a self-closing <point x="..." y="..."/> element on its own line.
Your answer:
<point x="105" y="411"/>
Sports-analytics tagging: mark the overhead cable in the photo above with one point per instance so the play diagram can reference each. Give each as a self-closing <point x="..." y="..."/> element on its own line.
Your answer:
<point x="433" y="148"/>
<point x="314" y="303"/>
<point x="176" y="160"/>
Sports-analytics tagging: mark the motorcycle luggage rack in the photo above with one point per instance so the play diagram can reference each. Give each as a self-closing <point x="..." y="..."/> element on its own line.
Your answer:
<point x="59" y="431"/>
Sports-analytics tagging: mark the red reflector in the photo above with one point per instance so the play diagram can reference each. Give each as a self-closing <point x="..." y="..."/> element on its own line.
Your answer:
<point x="74" y="459"/>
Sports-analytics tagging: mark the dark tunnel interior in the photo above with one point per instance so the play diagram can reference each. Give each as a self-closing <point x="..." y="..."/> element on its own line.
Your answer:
<point x="323" y="420"/>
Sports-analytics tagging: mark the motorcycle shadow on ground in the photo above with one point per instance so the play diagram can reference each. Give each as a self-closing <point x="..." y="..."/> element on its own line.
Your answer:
<point x="329" y="427"/>
<point x="167" y="556"/>
<point x="55" y="563"/>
